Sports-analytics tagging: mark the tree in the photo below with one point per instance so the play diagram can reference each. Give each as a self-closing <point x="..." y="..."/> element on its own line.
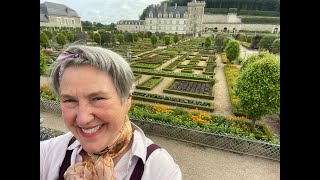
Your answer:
<point x="80" y="36"/>
<point x="175" y="38"/>
<point x="70" y="36"/>
<point x="207" y="42"/>
<point x="154" y="39"/>
<point x="86" y="23"/>
<point x="266" y="42"/>
<point x="91" y="33"/>
<point x="258" y="88"/>
<point x="255" y="41"/>
<point x="105" y="38"/>
<point x="128" y="37"/>
<point x="135" y="37"/>
<point x="43" y="63"/>
<point x="44" y="41"/>
<point x="99" y="24"/>
<point x="97" y="38"/>
<point x="145" y="12"/>
<point x="232" y="50"/>
<point x="61" y="39"/>
<point x="220" y="40"/>
<point x="167" y="40"/>
<point x="275" y="48"/>
<point x="48" y="33"/>
<point x="120" y="38"/>
<point x="112" y="25"/>
<point x="252" y="58"/>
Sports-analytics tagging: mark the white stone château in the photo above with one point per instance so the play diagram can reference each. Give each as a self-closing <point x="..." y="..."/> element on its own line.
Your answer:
<point x="190" y="19"/>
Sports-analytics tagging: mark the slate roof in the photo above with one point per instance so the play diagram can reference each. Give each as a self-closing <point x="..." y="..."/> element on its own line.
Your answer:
<point x="49" y="8"/>
<point x="170" y="9"/>
<point x="43" y="18"/>
<point x="137" y="22"/>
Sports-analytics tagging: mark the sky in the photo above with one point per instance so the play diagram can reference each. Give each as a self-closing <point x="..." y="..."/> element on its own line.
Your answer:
<point x="107" y="11"/>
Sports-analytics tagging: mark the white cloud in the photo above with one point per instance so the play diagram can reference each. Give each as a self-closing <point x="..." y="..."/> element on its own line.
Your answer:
<point x="107" y="11"/>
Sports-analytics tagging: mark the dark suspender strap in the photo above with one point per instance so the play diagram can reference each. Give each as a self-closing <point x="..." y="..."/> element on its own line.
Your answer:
<point x="66" y="161"/>
<point x="139" y="168"/>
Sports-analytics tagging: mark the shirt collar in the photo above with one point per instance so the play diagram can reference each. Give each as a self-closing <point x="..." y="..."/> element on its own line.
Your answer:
<point x="138" y="148"/>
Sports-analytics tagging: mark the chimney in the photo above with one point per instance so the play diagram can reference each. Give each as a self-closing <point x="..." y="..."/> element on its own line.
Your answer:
<point x="175" y="6"/>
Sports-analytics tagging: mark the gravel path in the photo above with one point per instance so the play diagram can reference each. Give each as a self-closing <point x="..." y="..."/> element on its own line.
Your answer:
<point x="222" y="105"/>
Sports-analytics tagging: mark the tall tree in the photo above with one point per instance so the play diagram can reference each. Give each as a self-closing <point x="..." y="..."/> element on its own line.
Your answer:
<point x="154" y="39"/>
<point x="258" y="88"/>
<point x="44" y="41"/>
<point x="232" y="50"/>
<point x="175" y="38"/>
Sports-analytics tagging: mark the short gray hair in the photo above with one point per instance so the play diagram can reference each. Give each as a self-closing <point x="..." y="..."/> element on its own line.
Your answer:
<point x="100" y="58"/>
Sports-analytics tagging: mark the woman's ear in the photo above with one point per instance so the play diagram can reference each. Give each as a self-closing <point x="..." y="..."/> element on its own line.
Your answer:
<point x="128" y="103"/>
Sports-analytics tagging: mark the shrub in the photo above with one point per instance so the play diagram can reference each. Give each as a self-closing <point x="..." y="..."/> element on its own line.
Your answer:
<point x="48" y="33"/>
<point x="175" y="38"/>
<point x="232" y="50"/>
<point x="255" y="40"/>
<point x="266" y="43"/>
<point x="70" y="36"/>
<point x="207" y="42"/>
<point x="154" y="39"/>
<point x="44" y="41"/>
<point x="120" y="38"/>
<point x="97" y="38"/>
<point x="43" y="63"/>
<point x="275" y="47"/>
<point x="167" y="40"/>
<point x="61" y="39"/>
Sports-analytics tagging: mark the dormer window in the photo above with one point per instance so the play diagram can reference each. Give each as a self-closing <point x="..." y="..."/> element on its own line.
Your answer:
<point x="165" y="15"/>
<point x="159" y="15"/>
<point x="178" y="15"/>
<point x="150" y="15"/>
<point x="170" y="15"/>
<point x="185" y="15"/>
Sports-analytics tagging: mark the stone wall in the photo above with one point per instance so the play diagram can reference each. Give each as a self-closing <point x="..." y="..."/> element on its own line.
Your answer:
<point x="240" y="26"/>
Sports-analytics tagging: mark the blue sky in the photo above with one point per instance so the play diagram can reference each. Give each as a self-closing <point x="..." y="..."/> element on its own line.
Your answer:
<point x="107" y="11"/>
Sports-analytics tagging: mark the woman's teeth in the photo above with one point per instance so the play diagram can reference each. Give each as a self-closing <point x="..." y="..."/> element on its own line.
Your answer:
<point x="92" y="130"/>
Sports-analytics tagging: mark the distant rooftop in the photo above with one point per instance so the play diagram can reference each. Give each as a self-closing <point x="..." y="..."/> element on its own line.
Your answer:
<point x="49" y="8"/>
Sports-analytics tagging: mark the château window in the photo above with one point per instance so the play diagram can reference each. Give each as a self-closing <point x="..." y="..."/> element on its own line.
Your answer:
<point x="170" y="15"/>
<point x="159" y="15"/>
<point x="150" y="15"/>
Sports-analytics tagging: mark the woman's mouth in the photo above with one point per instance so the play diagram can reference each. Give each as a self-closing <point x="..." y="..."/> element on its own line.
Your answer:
<point x="90" y="132"/>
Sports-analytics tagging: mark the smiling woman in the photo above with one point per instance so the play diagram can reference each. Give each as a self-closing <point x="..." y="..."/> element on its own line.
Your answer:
<point x="95" y="87"/>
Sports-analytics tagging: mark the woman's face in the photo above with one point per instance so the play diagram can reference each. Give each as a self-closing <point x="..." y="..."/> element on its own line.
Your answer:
<point x="91" y="107"/>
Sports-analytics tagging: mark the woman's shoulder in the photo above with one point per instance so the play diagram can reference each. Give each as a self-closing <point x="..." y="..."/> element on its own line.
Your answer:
<point x="56" y="142"/>
<point x="161" y="163"/>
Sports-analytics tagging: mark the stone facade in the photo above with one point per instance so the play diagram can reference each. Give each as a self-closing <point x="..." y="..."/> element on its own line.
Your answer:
<point x="131" y="25"/>
<point x="191" y="19"/>
<point x="58" y="15"/>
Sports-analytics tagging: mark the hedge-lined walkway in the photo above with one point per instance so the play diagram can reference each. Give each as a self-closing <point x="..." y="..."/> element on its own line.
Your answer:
<point x="222" y="104"/>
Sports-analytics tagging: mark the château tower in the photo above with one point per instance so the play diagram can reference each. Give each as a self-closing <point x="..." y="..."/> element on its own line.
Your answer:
<point x="195" y="19"/>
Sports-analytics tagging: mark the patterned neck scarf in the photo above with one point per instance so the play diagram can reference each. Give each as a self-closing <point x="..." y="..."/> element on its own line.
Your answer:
<point x="100" y="166"/>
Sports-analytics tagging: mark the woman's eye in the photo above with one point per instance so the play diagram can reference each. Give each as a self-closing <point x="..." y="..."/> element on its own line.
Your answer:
<point x="68" y="100"/>
<point x="98" y="98"/>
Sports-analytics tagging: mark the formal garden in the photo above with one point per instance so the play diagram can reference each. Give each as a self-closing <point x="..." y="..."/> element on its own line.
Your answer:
<point x="175" y="84"/>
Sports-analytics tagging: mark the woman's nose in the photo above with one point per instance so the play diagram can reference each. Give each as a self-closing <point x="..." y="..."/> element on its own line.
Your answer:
<point x="84" y="114"/>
